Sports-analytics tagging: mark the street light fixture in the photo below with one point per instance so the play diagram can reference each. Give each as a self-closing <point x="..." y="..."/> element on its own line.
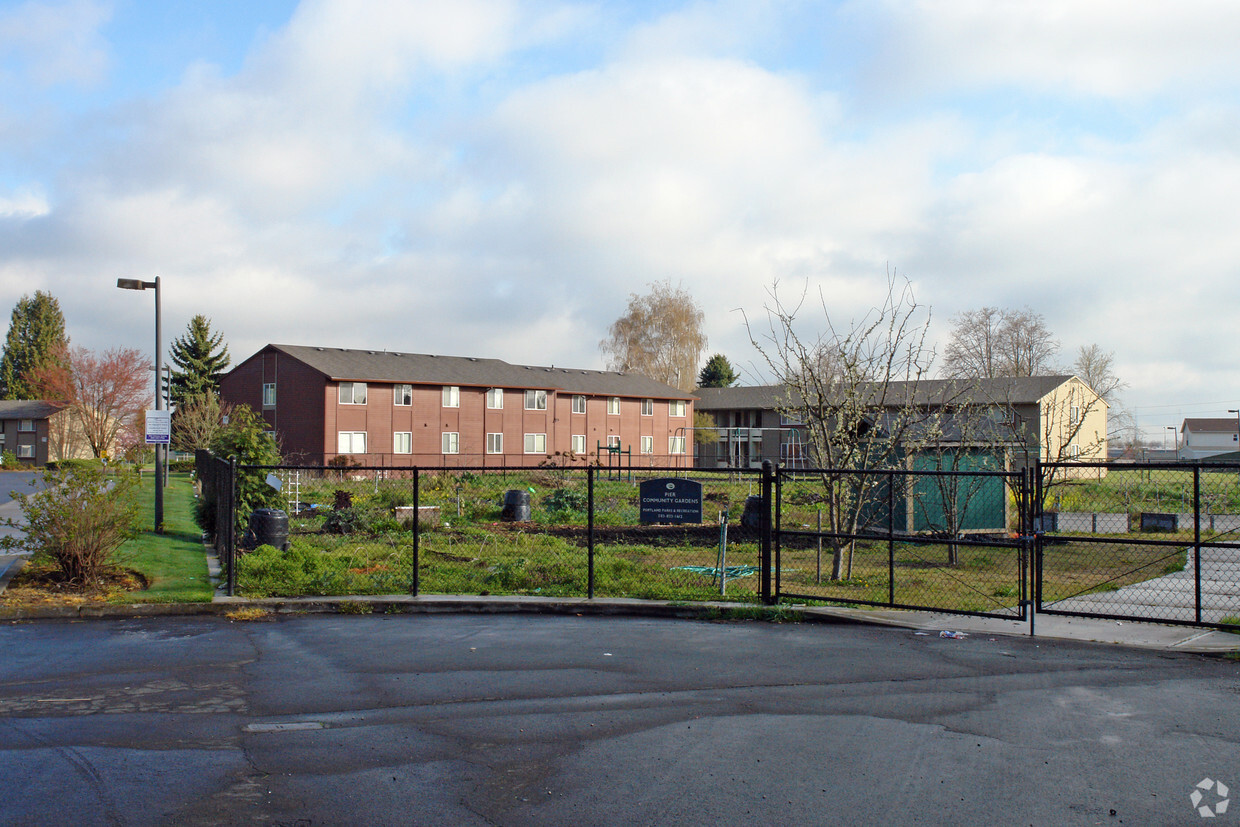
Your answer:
<point x="137" y="284"/>
<point x="1174" y="440"/>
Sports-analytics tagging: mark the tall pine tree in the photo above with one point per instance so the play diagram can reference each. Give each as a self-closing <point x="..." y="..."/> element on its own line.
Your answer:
<point x="718" y="373"/>
<point x="198" y="360"/>
<point x="36" y="338"/>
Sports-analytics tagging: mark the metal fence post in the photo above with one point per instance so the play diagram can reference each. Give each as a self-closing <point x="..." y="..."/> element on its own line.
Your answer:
<point x="415" y="583"/>
<point x="232" y="526"/>
<point x="1197" y="536"/>
<point x="765" y="530"/>
<point x="590" y="532"/>
<point x="891" y="536"/>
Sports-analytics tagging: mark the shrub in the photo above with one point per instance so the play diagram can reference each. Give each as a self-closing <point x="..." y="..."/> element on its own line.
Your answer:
<point x="244" y="437"/>
<point x="9" y="461"/>
<point x="79" y="520"/>
<point x="566" y="500"/>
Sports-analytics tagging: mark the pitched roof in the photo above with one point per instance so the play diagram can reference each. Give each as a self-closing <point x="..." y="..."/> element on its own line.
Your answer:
<point x="28" y="408"/>
<point x="1217" y="425"/>
<point x="345" y="364"/>
<point x="1020" y="390"/>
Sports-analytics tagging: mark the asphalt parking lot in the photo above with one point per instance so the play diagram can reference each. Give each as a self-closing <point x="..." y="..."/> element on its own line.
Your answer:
<point x="517" y="719"/>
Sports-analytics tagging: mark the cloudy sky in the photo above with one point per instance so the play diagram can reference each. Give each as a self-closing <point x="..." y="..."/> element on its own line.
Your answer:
<point x="494" y="178"/>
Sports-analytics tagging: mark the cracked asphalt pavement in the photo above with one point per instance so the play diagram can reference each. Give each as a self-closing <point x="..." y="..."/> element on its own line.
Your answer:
<point x="550" y="720"/>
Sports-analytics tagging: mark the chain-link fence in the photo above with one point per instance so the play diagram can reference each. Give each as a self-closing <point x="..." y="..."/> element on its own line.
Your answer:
<point x="1151" y="542"/>
<point x="947" y="541"/>
<point x="552" y="530"/>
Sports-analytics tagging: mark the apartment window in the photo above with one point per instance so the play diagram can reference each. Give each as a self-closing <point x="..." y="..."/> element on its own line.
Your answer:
<point x="403" y="395"/>
<point x="647" y="445"/>
<point x="536" y="400"/>
<point x="26" y="425"/>
<point x="352" y="393"/>
<point x="495" y="399"/>
<point x="613" y="441"/>
<point x="676" y="408"/>
<point x="495" y="443"/>
<point x="613" y="406"/>
<point x="1074" y="451"/>
<point x="402" y="442"/>
<point x="535" y="443"/>
<point x="1074" y="414"/>
<point x="579" y="404"/>
<point x="451" y="398"/>
<point x="351" y="442"/>
<point x="269" y="394"/>
<point x="25" y="451"/>
<point x="676" y="445"/>
<point x="1" y="437"/>
<point x="790" y="419"/>
<point x="579" y="443"/>
<point x="450" y="442"/>
<point x="647" y="407"/>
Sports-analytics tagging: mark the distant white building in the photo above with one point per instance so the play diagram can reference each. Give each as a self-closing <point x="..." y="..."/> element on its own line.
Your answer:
<point x="1200" y="438"/>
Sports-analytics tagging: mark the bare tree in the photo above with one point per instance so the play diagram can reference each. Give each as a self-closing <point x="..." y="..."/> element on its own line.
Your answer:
<point x="995" y="342"/>
<point x="198" y="419"/>
<point x="1096" y="368"/>
<point x="106" y="393"/>
<point x="660" y="335"/>
<point x="853" y="388"/>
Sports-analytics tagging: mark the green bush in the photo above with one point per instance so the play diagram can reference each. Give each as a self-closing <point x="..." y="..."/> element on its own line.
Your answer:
<point x="9" y="461"/>
<point x="79" y="519"/>
<point x="566" y="500"/>
<point x="244" y="437"/>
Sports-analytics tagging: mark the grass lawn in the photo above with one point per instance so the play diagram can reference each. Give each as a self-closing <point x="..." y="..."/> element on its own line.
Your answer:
<point x="174" y="562"/>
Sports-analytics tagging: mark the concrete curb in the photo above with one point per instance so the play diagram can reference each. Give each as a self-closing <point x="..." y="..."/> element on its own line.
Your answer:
<point x="1185" y="639"/>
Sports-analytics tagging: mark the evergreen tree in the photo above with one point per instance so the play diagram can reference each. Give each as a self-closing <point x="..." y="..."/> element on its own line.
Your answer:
<point x="36" y="339"/>
<point x="718" y="373"/>
<point x="199" y="360"/>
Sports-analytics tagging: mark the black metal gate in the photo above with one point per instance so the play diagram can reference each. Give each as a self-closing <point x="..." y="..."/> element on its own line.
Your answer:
<point x="944" y="541"/>
<point x="1154" y="542"/>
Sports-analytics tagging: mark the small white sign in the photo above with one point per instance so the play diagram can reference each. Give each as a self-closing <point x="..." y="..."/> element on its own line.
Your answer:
<point x="275" y="482"/>
<point x="158" y="427"/>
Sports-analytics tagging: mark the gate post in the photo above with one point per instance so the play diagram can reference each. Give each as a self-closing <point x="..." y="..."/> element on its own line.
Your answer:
<point x="590" y="532"/>
<point x="764" y="530"/>
<point x="232" y="525"/>
<point x="415" y="583"/>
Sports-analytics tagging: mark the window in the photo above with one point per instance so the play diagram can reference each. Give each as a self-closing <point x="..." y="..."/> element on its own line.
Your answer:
<point x="495" y="443"/>
<point x="613" y="406"/>
<point x="647" y="445"/>
<point x="352" y="393"/>
<point x="676" y="445"/>
<point x="1" y="437"/>
<point x="495" y="399"/>
<point x="451" y="399"/>
<point x="536" y="400"/>
<point x="676" y="408"/>
<point x="535" y="443"/>
<point x="25" y="451"/>
<point x="450" y="442"/>
<point x="647" y="407"/>
<point x="351" y="442"/>
<point x="613" y="441"/>
<point x="790" y="419"/>
<point x="269" y="394"/>
<point x="579" y="404"/>
<point x="1074" y="414"/>
<point x="403" y="395"/>
<point x="402" y="442"/>
<point x="26" y="425"/>
<point x="579" y="443"/>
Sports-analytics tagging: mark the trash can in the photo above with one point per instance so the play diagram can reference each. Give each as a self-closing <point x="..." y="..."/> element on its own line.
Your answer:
<point x="269" y="527"/>
<point x="516" y="506"/>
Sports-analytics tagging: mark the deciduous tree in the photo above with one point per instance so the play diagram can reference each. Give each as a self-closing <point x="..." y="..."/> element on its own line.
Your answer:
<point x="106" y="393"/>
<point x="660" y="335"/>
<point x="854" y="390"/>
<point x="36" y="337"/>
<point x="994" y="342"/>
<point x="198" y="419"/>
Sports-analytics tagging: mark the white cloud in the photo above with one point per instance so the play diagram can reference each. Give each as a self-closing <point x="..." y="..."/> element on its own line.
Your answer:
<point x="1112" y="48"/>
<point x="53" y="43"/>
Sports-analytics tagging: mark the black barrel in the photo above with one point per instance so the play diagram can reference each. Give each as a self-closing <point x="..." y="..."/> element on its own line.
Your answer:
<point x="751" y="517"/>
<point x="516" y="506"/>
<point x="269" y="527"/>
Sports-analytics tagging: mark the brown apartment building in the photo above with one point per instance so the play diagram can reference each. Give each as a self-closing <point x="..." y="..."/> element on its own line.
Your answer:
<point x="386" y="408"/>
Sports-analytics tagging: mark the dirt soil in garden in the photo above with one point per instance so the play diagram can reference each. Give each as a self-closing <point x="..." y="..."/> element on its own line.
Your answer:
<point x="40" y="584"/>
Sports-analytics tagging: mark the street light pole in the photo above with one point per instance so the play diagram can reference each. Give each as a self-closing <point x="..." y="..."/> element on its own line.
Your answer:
<point x="1174" y="440"/>
<point x="137" y="284"/>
